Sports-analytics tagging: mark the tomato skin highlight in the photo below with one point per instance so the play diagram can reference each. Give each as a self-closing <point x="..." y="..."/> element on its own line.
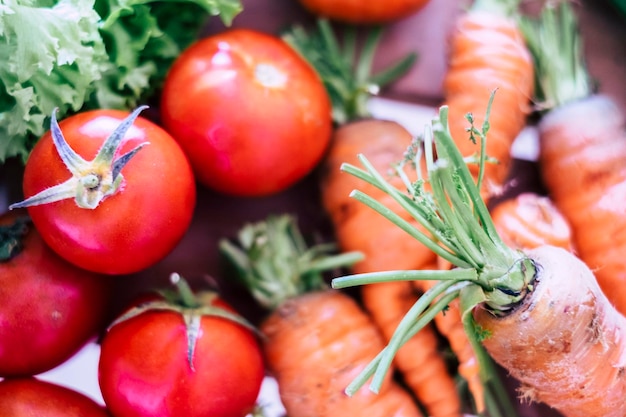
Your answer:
<point x="130" y="230"/>
<point x="144" y="369"/>
<point x="250" y="113"/>
<point x="49" y="307"/>
<point x="28" y="397"/>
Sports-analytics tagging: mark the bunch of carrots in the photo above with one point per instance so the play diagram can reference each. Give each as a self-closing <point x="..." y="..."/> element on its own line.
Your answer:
<point x="539" y="312"/>
<point x="423" y="367"/>
<point x="418" y="214"/>
<point x="582" y="148"/>
<point x="487" y="52"/>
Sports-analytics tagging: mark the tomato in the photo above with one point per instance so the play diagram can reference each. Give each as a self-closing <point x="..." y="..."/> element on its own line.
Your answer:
<point x="49" y="308"/>
<point x="148" y="207"/>
<point x="251" y="114"/>
<point x="154" y="364"/>
<point x="28" y="397"/>
<point x="364" y="12"/>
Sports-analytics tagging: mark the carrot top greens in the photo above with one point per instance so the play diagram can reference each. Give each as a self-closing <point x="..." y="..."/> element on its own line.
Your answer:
<point x="346" y="69"/>
<point x="273" y="259"/>
<point x="554" y="41"/>
<point x="458" y="228"/>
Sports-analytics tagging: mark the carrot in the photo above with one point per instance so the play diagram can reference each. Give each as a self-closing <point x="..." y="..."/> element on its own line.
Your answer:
<point x="357" y="228"/>
<point x="582" y="144"/>
<point x="539" y="313"/>
<point x="487" y="51"/>
<point x="315" y="340"/>
<point x="530" y="220"/>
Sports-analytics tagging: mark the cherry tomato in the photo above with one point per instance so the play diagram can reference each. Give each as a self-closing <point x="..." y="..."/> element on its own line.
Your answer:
<point x="124" y="223"/>
<point x="49" y="308"/>
<point x="251" y="114"/>
<point x="28" y="397"/>
<point x="364" y="12"/>
<point x="168" y="360"/>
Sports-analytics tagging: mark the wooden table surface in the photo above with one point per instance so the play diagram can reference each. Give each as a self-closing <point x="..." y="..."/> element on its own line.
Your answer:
<point x="218" y="216"/>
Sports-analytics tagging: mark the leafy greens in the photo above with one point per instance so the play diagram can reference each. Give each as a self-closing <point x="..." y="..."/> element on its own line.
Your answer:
<point x="84" y="54"/>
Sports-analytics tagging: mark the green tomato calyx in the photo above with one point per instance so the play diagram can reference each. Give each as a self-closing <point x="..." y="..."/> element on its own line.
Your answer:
<point x="181" y="300"/>
<point x="91" y="181"/>
<point x="11" y="238"/>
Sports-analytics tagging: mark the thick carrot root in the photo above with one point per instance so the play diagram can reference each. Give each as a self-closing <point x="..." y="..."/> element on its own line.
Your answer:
<point x="565" y="342"/>
<point x="488" y="52"/>
<point x="423" y="368"/>
<point x="583" y="165"/>
<point x="315" y="345"/>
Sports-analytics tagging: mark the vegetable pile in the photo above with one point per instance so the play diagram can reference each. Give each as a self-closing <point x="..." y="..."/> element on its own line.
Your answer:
<point x="365" y="268"/>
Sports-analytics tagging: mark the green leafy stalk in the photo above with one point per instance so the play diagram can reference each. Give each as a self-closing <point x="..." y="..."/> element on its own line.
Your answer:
<point x="457" y="225"/>
<point x="346" y="74"/>
<point x="554" y="41"/>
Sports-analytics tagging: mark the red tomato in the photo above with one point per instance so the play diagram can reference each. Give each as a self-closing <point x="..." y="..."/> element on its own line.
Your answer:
<point x="145" y="370"/>
<point x="364" y="12"/>
<point x="130" y="229"/>
<point x="29" y="397"/>
<point x="49" y="308"/>
<point x="251" y="114"/>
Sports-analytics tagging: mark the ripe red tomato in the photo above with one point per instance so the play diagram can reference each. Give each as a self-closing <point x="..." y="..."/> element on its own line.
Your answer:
<point x="28" y="397"/>
<point x="134" y="227"/>
<point x="251" y="114"/>
<point x="364" y="12"/>
<point x="49" y="308"/>
<point x="149" y="368"/>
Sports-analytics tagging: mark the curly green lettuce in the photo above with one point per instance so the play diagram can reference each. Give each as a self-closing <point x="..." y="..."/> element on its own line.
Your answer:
<point x="82" y="54"/>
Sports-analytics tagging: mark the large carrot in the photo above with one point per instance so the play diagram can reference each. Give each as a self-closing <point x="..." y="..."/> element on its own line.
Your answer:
<point x="359" y="229"/>
<point x="315" y="339"/>
<point x="539" y="313"/>
<point x="487" y="51"/>
<point x="582" y="143"/>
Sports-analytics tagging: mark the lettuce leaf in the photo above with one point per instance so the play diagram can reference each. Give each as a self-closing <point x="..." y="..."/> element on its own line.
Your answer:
<point x="82" y="54"/>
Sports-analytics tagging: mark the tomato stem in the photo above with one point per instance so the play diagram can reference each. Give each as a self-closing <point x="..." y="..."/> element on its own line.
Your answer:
<point x="186" y="297"/>
<point x="91" y="181"/>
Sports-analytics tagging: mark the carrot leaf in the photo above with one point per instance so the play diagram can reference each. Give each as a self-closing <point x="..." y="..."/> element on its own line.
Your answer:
<point x="554" y="41"/>
<point x="345" y="70"/>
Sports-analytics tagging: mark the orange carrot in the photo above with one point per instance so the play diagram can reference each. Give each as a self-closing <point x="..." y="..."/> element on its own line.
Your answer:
<point x="530" y="220"/>
<point x="315" y="339"/>
<point x="487" y="52"/>
<point x="582" y="142"/>
<point x="539" y="313"/>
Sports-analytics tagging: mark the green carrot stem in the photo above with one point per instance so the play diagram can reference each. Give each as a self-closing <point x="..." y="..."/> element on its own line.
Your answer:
<point x="554" y="41"/>
<point x="408" y="327"/>
<point x="428" y="241"/>
<point x="418" y="316"/>
<point x="422" y="213"/>
<point x="457" y="274"/>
